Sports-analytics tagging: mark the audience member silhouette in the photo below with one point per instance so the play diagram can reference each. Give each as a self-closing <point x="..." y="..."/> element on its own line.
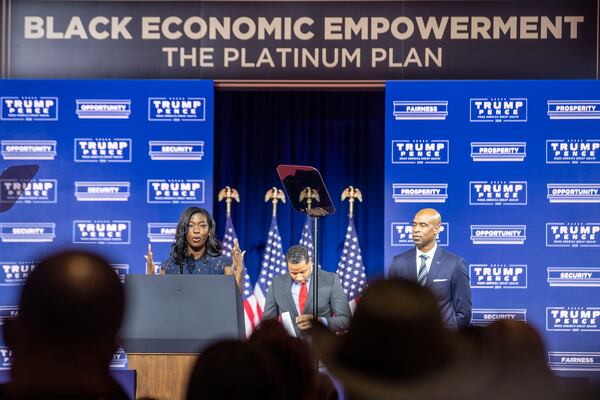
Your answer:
<point x="65" y="334"/>
<point x="520" y="367"/>
<point x="232" y="369"/>
<point x="398" y="348"/>
<point x="294" y="359"/>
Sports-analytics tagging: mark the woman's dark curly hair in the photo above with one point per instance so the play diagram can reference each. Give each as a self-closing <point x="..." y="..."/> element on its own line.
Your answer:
<point x="179" y="249"/>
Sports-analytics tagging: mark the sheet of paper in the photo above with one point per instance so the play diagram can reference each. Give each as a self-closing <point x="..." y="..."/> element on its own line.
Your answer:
<point x="286" y="319"/>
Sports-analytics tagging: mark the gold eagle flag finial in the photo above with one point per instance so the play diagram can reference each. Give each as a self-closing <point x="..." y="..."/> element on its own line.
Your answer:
<point x="275" y="195"/>
<point x="351" y="193"/>
<point x="308" y="194"/>
<point x="228" y="193"/>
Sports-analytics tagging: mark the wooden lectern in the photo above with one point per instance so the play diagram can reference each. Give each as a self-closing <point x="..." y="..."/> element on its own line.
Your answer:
<point x="169" y="319"/>
<point x="162" y="376"/>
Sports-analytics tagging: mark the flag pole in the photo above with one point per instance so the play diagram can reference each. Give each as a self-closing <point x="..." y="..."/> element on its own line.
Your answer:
<point x="351" y="193"/>
<point x="273" y="259"/>
<point x="350" y="267"/>
<point x="228" y="193"/>
<point x="275" y="195"/>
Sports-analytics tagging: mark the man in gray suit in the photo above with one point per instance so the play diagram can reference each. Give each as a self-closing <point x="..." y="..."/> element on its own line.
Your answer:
<point x="444" y="273"/>
<point x="293" y="293"/>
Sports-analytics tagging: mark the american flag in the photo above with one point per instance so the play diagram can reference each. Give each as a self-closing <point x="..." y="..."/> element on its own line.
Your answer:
<point x="351" y="268"/>
<point x="247" y="295"/>
<point x="306" y="239"/>
<point x="273" y="264"/>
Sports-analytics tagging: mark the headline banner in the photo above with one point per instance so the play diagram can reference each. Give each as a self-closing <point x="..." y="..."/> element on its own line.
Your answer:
<point x="270" y="41"/>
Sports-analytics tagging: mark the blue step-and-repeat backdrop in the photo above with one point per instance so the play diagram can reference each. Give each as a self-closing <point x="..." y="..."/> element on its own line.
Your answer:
<point x="514" y="169"/>
<point x="118" y="162"/>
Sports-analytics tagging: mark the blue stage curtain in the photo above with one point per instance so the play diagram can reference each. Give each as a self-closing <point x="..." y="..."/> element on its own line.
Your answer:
<point x="340" y="133"/>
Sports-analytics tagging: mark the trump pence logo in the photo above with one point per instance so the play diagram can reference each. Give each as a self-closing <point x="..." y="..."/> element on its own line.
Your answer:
<point x="175" y="191"/>
<point x="176" y="109"/>
<point x="498" y="109"/>
<point x="102" y="150"/>
<point x="401" y="234"/>
<point x="14" y="273"/>
<point x="102" y="232"/>
<point x="573" y="151"/>
<point x="36" y="191"/>
<point x="498" y="193"/>
<point x="420" y="151"/>
<point x="29" y="108"/>
<point x="572" y="234"/>
<point x="498" y="276"/>
<point x="572" y="319"/>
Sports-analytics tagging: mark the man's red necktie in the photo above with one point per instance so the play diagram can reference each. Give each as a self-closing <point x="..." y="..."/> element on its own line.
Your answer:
<point x="302" y="297"/>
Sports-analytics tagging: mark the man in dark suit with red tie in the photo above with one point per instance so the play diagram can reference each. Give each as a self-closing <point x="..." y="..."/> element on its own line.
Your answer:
<point x="293" y="293"/>
<point x="444" y="273"/>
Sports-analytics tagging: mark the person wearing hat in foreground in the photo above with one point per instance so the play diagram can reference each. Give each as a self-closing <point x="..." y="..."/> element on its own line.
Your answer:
<point x="397" y="347"/>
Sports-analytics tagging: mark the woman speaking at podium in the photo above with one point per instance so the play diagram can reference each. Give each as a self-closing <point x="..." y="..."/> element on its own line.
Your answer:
<point x="197" y="250"/>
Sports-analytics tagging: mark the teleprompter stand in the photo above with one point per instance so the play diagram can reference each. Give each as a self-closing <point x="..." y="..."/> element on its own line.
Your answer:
<point x="308" y="194"/>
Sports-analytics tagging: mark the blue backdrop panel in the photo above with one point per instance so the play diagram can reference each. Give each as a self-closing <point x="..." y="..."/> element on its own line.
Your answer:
<point x="119" y="160"/>
<point x="514" y="169"/>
